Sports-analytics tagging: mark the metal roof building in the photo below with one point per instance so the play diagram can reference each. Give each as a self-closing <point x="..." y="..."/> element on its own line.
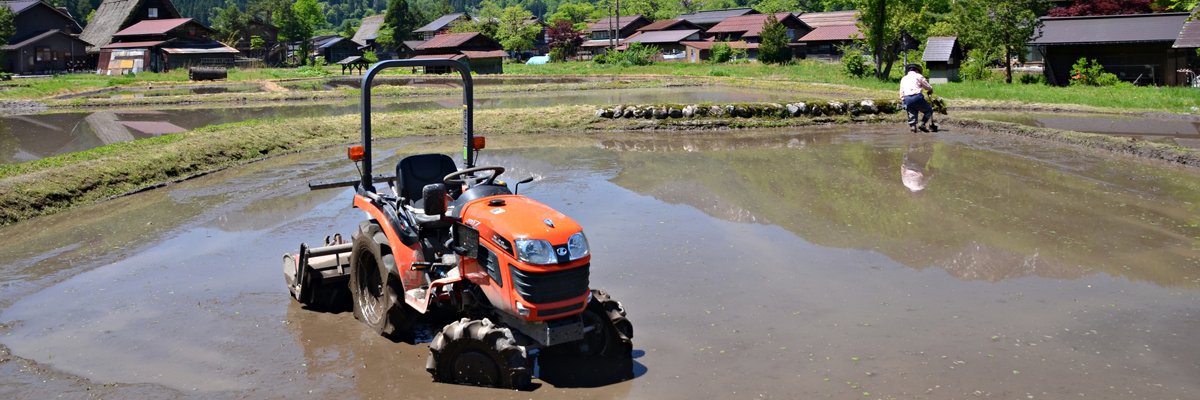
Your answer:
<point x="1135" y="47"/>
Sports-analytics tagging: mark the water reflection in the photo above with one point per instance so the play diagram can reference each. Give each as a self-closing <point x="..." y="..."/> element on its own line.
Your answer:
<point x="916" y="170"/>
<point x="991" y="216"/>
<point x="33" y="137"/>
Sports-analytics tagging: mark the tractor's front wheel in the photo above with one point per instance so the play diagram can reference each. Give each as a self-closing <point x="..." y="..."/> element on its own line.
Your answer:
<point x="478" y="353"/>
<point x="376" y="303"/>
<point x="607" y="333"/>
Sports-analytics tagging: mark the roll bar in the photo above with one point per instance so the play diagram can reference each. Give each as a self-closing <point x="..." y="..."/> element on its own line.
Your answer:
<point x="468" y="109"/>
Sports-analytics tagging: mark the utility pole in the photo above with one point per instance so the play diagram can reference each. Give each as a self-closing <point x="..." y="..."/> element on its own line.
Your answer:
<point x="610" y="27"/>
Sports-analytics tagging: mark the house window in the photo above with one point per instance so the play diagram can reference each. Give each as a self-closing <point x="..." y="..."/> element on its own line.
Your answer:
<point x="791" y="34"/>
<point x="44" y="54"/>
<point x="153" y="13"/>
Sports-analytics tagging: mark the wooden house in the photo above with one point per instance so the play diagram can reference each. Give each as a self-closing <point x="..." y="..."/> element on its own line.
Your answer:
<point x="440" y="25"/>
<point x="832" y="32"/>
<point x="161" y="45"/>
<point x="334" y="48"/>
<point x="942" y="58"/>
<point x="669" y="42"/>
<point x="115" y="15"/>
<point x="601" y="33"/>
<point x="45" y="40"/>
<point x="482" y="54"/>
<point x="1138" y="48"/>
<point x="707" y="19"/>
<point x="747" y="28"/>
<point x="1183" y="53"/>
<point x="368" y="32"/>
<point x="701" y="51"/>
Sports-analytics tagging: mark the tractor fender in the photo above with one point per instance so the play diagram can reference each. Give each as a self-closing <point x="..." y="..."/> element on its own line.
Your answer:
<point x="389" y="222"/>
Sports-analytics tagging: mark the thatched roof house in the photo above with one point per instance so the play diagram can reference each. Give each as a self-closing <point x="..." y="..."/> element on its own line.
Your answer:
<point x="115" y="15"/>
<point x="368" y="30"/>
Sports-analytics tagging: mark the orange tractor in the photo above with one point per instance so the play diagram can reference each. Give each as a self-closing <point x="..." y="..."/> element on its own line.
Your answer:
<point x="513" y="271"/>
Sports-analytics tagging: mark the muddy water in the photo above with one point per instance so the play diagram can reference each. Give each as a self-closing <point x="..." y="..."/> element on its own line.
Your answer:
<point x="32" y="137"/>
<point x="841" y="262"/>
<point x="1180" y="130"/>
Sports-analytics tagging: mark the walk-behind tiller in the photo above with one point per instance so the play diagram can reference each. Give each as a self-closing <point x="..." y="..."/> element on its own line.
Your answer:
<point x="514" y="270"/>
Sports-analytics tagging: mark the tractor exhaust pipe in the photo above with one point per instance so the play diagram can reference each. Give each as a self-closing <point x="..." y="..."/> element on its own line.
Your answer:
<point x="468" y="110"/>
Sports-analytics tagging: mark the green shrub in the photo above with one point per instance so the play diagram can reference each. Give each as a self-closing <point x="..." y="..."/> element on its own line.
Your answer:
<point x="854" y="64"/>
<point x="717" y="72"/>
<point x="1085" y="74"/>
<point x="635" y="54"/>
<point x="600" y="59"/>
<point x="975" y="67"/>
<point x="721" y="53"/>
<point x="1032" y="79"/>
<point x="370" y="56"/>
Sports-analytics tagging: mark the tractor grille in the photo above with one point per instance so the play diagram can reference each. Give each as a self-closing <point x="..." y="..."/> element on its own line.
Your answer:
<point x="549" y="287"/>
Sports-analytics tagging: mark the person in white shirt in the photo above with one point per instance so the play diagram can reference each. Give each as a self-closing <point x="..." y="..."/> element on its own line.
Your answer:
<point x="911" y="87"/>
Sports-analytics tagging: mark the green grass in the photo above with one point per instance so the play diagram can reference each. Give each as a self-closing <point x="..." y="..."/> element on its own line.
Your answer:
<point x="1168" y="99"/>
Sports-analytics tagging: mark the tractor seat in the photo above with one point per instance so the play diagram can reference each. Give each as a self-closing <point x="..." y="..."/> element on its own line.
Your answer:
<point x="414" y="172"/>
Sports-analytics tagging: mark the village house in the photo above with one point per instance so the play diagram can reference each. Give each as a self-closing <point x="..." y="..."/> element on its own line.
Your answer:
<point x="701" y="51"/>
<point x="367" y="33"/>
<point x="334" y="48"/>
<point x="162" y="45"/>
<point x="271" y="51"/>
<point x="832" y="33"/>
<point x="1183" y="54"/>
<point x="746" y="28"/>
<point x="114" y="15"/>
<point x="670" y="42"/>
<point x="45" y="41"/>
<point x="1138" y="48"/>
<point x="599" y="33"/>
<point x="705" y="20"/>
<point x="942" y="58"/>
<point x="482" y="54"/>
<point x="440" y="25"/>
<point x="670" y="25"/>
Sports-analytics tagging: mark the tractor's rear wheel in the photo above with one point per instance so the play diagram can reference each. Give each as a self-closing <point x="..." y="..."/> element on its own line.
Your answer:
<point x="607" y="332"/>
<point x="376" y="303"/>
<point x="477" y="353"/>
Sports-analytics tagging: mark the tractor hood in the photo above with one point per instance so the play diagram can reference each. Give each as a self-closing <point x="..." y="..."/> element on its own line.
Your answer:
<point x="519" y="217"/>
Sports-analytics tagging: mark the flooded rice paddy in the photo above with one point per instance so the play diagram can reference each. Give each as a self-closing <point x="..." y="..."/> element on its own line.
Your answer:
<point x="840" y="262"/>
<point x="32" y="137"/>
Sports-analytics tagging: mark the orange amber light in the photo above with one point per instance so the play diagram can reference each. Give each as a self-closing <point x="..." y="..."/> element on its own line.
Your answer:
<point x="354" y="153"/>
<point x="478" y="142"/>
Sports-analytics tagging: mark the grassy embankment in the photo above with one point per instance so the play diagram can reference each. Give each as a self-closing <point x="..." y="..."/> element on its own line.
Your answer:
<point x="46" y="87"/>
<point x="960" y="94"/>
<point x="56" y="183"/>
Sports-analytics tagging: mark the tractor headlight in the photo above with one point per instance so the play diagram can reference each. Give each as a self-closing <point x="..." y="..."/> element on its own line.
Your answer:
<point x="577" y="246"/>
<point x="534" y="251"/>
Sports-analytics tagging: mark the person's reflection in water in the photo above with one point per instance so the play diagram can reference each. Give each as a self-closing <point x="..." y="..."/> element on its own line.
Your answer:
<point x="916" y="171"/>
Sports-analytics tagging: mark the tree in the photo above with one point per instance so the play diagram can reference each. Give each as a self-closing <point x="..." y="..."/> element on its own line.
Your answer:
<point x="309" y="12"/>
<point x="229" y="22"/>
<point x="777" y="6"/>
<point x="257" y="42"/>
<point x="564" y="38"/>
<point x="774" y="46"/>
<point x="883" y="22"/>
<point x="575" y="13"/>
<point x="402" y="21"/>
<point x="1103" y="7"/>
<point x="7" y="26"/>
<point x="516" y="33"/>
<point x="294" y="29"/>
<point x="490" y="10"/>
<point x="654" y="10"/>
<point x="1003" y="25"/>
<point x="488" y="27"/>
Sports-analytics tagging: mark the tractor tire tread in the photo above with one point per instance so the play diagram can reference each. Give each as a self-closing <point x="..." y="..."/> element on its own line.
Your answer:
<point x="480" y="336"/>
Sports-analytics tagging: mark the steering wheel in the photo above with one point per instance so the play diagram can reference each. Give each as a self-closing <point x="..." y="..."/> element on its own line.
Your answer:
<point x="468" y="176"/>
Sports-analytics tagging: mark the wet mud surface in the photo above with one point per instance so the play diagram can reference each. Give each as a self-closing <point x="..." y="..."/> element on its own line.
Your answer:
<point x="819" y="262"/>
<point x="1177" y="130"/>
<point x="32" y="137"/>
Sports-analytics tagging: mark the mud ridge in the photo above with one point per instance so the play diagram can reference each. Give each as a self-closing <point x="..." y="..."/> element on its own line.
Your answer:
<point x="1121" y="145"/>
